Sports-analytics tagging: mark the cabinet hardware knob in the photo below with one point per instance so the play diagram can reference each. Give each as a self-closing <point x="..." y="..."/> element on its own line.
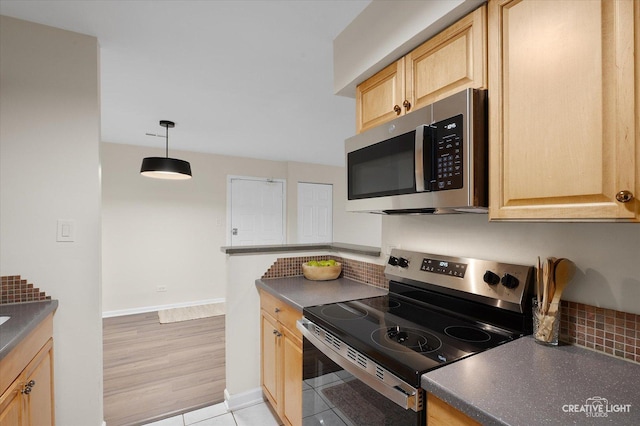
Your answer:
<point x="397" y="109"/>
<point x="28" y="387"/>
<point x="624" y="196"/>
<point x="277" y="310"/>
<point x="277" y="333"/>
<point x="407" y="105"/>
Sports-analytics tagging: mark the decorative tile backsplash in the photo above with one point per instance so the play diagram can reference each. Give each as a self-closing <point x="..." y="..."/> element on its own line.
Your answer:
<point x="368" y="273"/>
<point x="605" y="330"/>
<point x="14" y="289"/>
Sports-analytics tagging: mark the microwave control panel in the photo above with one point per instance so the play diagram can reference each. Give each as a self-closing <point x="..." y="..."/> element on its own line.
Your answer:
<point x="447" y="150"/>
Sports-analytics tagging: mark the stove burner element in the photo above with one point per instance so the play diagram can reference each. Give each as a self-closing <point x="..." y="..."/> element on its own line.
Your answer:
<point x="342" y="311"/>
<point x="411" y="338"/>
<point x="467" y="334"/>
<point x="384" y="303"/>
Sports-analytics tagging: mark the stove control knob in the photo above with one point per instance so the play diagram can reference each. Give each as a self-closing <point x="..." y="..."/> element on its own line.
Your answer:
<point x="403" y="263"/>
<point x="393" y="261"/>
<point x="509" y="281"/>
<point x="491" y="278"/>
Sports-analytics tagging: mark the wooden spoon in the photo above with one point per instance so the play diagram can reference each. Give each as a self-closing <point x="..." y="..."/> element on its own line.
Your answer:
<point x="547" y="284"/>
<point x="545" y="287"/>
<point x="539" y="282"/>
<point x="564" y="271"/>
<point x="552" y="278"/>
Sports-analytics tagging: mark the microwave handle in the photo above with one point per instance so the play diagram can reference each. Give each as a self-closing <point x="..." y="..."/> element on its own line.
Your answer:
<point x="423" y="153"/>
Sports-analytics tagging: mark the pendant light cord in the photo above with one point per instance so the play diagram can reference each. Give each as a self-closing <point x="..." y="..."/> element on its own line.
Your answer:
<point x="167" y="141"/>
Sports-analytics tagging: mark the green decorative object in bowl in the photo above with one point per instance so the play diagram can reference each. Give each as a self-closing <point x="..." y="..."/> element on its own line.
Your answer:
<point x="321" y="270"/>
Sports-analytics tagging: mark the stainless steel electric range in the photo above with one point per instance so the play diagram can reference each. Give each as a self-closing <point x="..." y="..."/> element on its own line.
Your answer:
<point x="363" y="359"/>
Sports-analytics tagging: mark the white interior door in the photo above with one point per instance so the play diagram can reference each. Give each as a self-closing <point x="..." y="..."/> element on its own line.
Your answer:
<point x="315" y="213"/>
<point x="257" y="211"/>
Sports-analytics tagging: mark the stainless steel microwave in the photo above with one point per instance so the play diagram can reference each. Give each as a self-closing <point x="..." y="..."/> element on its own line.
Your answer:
<point x="433" y="160"/>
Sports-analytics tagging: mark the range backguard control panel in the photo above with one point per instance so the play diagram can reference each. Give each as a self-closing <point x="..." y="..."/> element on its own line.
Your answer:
<point x="443" y="267"/>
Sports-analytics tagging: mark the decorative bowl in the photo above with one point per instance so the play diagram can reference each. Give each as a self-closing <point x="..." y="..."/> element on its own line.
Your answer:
<point x="321" y="273"/>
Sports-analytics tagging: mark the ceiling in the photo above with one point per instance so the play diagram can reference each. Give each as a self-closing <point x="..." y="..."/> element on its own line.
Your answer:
<point x="243" y="78"/>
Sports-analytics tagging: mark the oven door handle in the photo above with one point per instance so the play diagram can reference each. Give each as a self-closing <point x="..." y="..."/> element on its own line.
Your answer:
<point x="363" y="368"/>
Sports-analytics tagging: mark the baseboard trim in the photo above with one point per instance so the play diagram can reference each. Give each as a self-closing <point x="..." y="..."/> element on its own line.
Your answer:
<point x="243" y="400"/>
<point x="145" y="309"/>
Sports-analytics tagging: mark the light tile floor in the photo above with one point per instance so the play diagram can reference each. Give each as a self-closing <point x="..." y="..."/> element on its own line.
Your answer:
<point x="217" y="415"/>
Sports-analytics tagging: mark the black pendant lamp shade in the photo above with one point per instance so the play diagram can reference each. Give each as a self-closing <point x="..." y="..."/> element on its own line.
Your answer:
<point x="165" y="167"/>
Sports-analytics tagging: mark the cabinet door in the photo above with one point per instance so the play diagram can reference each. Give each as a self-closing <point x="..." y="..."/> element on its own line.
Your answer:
<point x="562" y="112"/>
<point x="379" y="98"/>
<point x="11" y="405"/>
<point x="270" y="358"/>
<point x="292" y="383"/>
<point x="453" y="60"/>
<point x="39" y="401"/>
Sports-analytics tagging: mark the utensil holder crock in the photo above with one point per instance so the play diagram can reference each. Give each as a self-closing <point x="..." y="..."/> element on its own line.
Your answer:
<point x="546" y="325"/>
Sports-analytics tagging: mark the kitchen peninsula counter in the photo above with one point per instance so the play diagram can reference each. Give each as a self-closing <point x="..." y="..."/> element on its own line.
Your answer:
<point x="24" y="317"/>
<point x="524" y="383"/>
<point x="300" y="292"/>
<point x="284" y="248"/>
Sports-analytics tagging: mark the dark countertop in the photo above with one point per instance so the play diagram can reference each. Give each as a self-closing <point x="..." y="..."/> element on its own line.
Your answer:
<point x="301" y="292"/>
<point x="24" y="318"/>
<point x="524" y="383"/>
<point x="283" y="248"/>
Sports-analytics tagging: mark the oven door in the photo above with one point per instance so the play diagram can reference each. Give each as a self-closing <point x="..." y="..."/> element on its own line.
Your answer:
<point x="337" y="390"/>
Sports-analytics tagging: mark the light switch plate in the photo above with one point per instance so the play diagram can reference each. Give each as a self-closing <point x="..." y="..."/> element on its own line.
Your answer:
<point x="66" y="231"/>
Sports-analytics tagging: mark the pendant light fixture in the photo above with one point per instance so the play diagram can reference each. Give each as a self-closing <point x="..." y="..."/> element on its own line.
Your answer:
<point x="165" y="167"/>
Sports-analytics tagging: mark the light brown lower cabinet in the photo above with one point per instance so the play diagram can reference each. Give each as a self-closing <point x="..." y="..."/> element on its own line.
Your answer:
<point x="439" y="413"/>
<point x="26" y="380"/>
<point x="281" y="358"/>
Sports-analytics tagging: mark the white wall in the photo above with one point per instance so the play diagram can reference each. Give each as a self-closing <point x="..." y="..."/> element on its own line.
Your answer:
<point x="169" y="233"/>
<point x="607" y="255"/>
<point x="166" y="233"/>
<point x="242" y="337"/>
<point x="49" y="170"/>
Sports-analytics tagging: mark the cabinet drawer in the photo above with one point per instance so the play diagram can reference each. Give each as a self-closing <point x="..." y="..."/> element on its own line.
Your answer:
<point x="286" y="314"/>
<point x="269" y="304"/>
<point x="17" y="360"/>
<point x="288" y="317"/>
<point x="439" y="413"/>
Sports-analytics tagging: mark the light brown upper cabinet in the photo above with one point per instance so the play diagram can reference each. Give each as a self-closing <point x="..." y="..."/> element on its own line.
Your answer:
<point x="564" y="101"/>
<point x="451" y="61"/>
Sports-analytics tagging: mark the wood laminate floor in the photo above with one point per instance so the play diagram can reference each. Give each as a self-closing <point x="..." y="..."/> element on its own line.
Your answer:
<point x="154" y="370"/>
